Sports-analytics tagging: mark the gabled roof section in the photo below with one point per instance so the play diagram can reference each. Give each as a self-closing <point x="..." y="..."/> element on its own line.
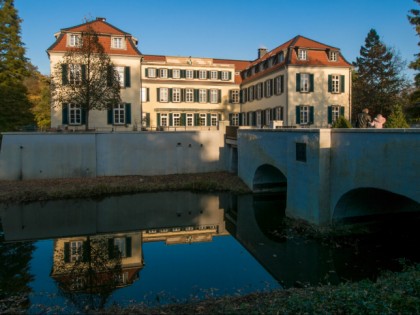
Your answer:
<point x="105" y="32"/>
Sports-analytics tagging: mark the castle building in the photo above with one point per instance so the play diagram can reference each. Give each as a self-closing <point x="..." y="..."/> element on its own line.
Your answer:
<point x="301" y="83"/>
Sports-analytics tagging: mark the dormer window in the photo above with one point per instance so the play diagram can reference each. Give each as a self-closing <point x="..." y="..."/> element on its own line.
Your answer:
<point x="117" y="42"/>
<point x="302" y="54"/>
<point x="75" y="40"/>
<point x="333" y="55"/>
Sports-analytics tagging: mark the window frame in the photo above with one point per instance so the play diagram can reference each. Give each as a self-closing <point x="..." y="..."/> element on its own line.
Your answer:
<point x="304" y="114"/>
<point x="176" y="95"/>
<point x="202" y="74"/>
<point x="302" y="54"/>
<point x="189" y="95"/>
<point x="235" y="96"/>
<point x="202" y="96"/>
<point x="163" y="95"/>
<point x="225" y="76"/>
<point x="151" y="72"/>
<point x="75" y="40"/>
<point x="117" y="42"/>
<point x="305" y="83"/>
<point x="119" y="114"/>
<point x="163" y="73"/>
<point x="214" y="96"/>
<point x="120" y="70"/>
<point x="176" y="73"/>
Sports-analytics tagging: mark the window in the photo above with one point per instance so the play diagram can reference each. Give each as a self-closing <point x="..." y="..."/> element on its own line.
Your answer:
<point x="176" y="73"/>
<point x="76" y="251"/>
<point x="190" y="120"/>
<point x="304" y="82"/>
<point x="75" y="40"/>
<point x="335" y="84"/>
<point x="235" y="119"/>
<point x="304" y="114"/>
<point x="164" y="120"/>
<point x="176" y="119"/>
<point x="213" y="118"/>
<point x="75" y="75"/>
<point x="189" y="95"/>
<point x="278" y="113"/>
<point x="202" y="96"/>
<point x="151" y="72"/>
<point x="244" y="95"/>
<point x="202" y="74"/>
<point x="121" y="74"/>
<point x="234" y="96"/>
<point x="120" y="245"/>
<point x="302" y="54"/>
<point x="251" y="93"/>
<point x="176" y="95"/>
<point x="267" y="116"/>
<point x="333" y="55"/>
<point x="279" y="85"/>
<point x="214" y="96"/>
<point x="144" y="94"/>
<point x="202" y="119"/>
<point x="119" y="114"/>
<point x="163" y="95"/>
<point x="335" y="113"/>
<point x="259" y="91"/>
<point x="213" y="75"/>
<point x="251" y="119"/>
<point x="75" y="114"/>
<point x="259" y="118"/>
<point x="268" y="88"/>
<point x="117" y="42"/>
<point x="163" y="73"/>
<point x="189" y="74"/>
<point x="225" y="75"/>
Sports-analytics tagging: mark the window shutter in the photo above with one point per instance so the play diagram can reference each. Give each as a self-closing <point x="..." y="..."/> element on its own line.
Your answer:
<point x="169" y="73"/>
<point x="342" y="111"/>
<point x="128" y="113"/>
<point x="297" y="82"/>
<point x="195" y="75"/>
<point x="196" y="119"/>
<point x="85" y="251"/>
<point x="64" y="76"/>
<point x="65" y="114"/>
<point x="208" y="74"/>
<point x="147" y="119"/>
<point x="110" y="117"/>
<point x="219" y="96"/>
<point x="330" y="114"/>
<point x="196" y="97"/>
<point x="66" y="252"/>
<point x="219" y="75"/>
<point x="219" y="117"/>
<point x="183" y="95"/>
<point x="170" y="95"/>
<point x="311" y="115"/>
<point x="254" y="118"/>
<point x="84" y="73"/>
<point x="282" y="84"/>
<point x="127" y="77"/>
<point x="183" y="74"/>
<point x="329" y="83"/>
<point x="342" y="84"/>
<point x="297" y="115"/>
<point x="208" y="96"/>
<point x="311" y="83"/>
<point x="158" y="120"/>
<point x="83" y="116"/>
<point x="128" y="247"/>
<point x="170" y="119"/>
<point x="158" y="94"/>
<point x="146" y="72"/>
<point x="230" y="119"/>
<point x="183" y="119"/>
<point x="271" y="86"/>
<point x="208" y="120"/>
<point x="111" y="250"/>
<point x="230" y="75"/>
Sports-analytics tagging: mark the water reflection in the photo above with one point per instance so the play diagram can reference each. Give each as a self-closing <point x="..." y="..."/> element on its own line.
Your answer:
<point x="100" y="249"/>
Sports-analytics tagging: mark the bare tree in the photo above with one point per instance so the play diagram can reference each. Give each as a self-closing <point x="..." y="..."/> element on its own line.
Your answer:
<point x="85" y="79"/>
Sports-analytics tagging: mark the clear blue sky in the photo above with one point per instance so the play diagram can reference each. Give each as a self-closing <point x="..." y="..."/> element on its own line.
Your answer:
<point x="229" y="29"/>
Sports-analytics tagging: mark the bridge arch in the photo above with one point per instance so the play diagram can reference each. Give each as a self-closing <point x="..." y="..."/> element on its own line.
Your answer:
<point x="268" y="178"/>
<point x="364" y="204"/>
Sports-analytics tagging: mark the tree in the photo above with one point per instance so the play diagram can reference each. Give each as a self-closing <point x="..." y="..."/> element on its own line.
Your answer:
<point x="397" y="118"/>
<point x="85" y="78"/>
<point x="38" y="87"/>
<point x="378" y="81"/>
<point x="414" y="108"/>
<point x="14" y="104"/>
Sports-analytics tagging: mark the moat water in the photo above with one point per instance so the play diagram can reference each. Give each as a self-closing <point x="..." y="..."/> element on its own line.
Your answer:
<point x="170" y="247"/>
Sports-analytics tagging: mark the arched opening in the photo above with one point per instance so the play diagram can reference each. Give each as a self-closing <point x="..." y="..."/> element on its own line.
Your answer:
<point x="369" y="204"/>
<point x="268" y="178"/>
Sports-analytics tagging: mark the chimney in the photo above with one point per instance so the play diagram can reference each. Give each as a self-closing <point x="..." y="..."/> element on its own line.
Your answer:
<point x="101" y="19"/>
<point x="261" y="52"/>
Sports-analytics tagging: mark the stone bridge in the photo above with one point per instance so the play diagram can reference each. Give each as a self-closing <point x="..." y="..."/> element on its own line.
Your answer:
<point x="334" y="175"/>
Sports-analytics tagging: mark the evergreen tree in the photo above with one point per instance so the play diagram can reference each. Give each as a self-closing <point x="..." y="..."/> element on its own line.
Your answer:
<point x="397" y="118"/>
<point x="378" y="81"/>
<point x="86" y="78"/>
<point x="14" y="104"/>
<point x="414" y="108"/>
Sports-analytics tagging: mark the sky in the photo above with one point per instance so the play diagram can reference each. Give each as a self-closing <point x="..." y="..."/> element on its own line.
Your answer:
<point x="226" y="29"/>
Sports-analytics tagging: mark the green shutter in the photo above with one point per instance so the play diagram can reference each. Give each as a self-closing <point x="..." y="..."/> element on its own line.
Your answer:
<point x="196" y="95"/>
<point x="158" y="120"/>
<point x="170" y="95"/>
<point x="311" y="115"/>
<point x="297" y="115"/>
<point x="170" y="119"/>
<point x="329" y="83"/>
<point x="195" y="74"/>
<point x="330" y="114"/>
<point x="127" y="77"/>
<point x="196" y="119"/>
<point x="147" y="119"/>
<point x="128" y="113"/>
<point x="128" y="247"/>
<point x="208" y="122"/>
<point x="311" y="83"/>
<point x="158" y="94"/>
<point x="110" y="120"/>
<point x="147" y="95"/>
<point x="342" y="111"/>
<point x="183" y="119"/>
<point x="84" y="73"/>
<point x="282" y="84"/>
<point x="66" y="252"/>
<point x="342" y="83"/>
<point x="147" y="72"/>
<point x="183" y="74"/>
<point x="65" y="114"/>
<point x="219" y="96"/>
<point x="170" y="73"/>
<point x="230" y="75"/>
<point x="297" y="82"/>
<point x="64" y="75"/>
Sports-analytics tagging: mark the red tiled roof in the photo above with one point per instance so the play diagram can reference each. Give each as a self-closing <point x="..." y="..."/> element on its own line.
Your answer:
<point x="105" y="31"/>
